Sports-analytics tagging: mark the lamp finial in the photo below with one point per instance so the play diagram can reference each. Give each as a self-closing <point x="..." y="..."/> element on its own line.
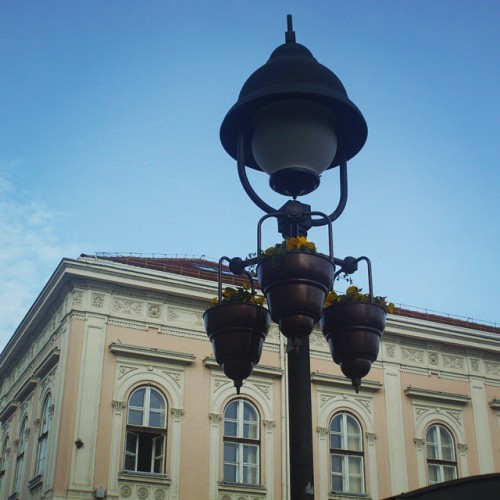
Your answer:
<point x="289" y="34"/>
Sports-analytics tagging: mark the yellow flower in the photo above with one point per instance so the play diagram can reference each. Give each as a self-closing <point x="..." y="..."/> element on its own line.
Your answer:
<point x="390" y="308"/>
<point x="352" y="290"/>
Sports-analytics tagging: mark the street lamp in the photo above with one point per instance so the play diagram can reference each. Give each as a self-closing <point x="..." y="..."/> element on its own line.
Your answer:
<point x="293" y="120"/>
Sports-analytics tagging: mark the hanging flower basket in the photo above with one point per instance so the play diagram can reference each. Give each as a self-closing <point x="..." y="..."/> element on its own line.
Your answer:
<point x="237" y="332"/>
<point x="353" y="331"/>
<point x="295" y="285"/>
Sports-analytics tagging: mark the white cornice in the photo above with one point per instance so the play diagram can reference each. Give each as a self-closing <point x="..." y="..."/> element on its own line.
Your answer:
<point x="133" y="351"/>
<point x="437" y="396"/>
<point x="344" y="383"/>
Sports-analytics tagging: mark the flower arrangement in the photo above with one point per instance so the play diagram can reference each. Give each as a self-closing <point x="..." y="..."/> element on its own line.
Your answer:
<point x="293" y="244"/>
<point x="354" y="294"/>
<point x="238" y="295"/>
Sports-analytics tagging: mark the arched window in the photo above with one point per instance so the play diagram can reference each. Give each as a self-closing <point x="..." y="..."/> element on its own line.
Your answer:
<point x="3" y="462"/>
<point x="441" y="458"/>
<point x="21" y="448"/>
<point x="346" y="452"/>
<point x="43" y="438"/>
<point x="146" y="434"/>
<point x="241" y="443"/>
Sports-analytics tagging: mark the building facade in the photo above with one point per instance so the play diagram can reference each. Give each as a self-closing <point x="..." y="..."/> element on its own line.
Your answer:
<point x="109" y="389"/>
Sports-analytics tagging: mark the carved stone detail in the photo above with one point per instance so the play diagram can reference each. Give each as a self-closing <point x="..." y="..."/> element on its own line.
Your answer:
<point x="97" y="300"/>
<point x="126" y="369"/>
<point x="154" y="311"/>
<point x="177" y="412"/>
<point x="390" y="349"/>
<point x="119" y="405"/>
<point x="215" y="418"/>
<point x="126" y="491"/>
<point x="453" y="362"/>
<point x="323" y="431"/>
<point x="127" y="306"/>
<point x="77" y="297"/>
<point x="419" y="443"/>
<point x="269" y="424"/>
<point x="492" y="368"/>
<point x="366" y="403"/>
<point x="474" y="363"/>
<point x="371" y="436"/>
<point x="433" y="358"/>
<point x="462" y="447"/>
<point x="412" y="355"/>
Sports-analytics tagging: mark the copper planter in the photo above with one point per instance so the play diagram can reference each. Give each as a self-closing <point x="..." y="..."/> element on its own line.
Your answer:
<point x="237" y="332"/>
<point x="295" y="285"/>
<point x="353" y="331"/>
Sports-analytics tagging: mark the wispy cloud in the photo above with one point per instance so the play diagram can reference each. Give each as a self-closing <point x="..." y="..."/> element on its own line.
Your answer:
<point x="29" y="251"/>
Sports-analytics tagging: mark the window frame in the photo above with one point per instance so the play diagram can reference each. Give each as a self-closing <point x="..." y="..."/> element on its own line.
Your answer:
<point x="43" y="436"/>
<point x="3" y="461"/>
<point x="242" y="443"/>
<point x="440" y="463"/>
<point x="21" y="448"/>
<point x="146" y="431"/>
<point x="345" y="454"/>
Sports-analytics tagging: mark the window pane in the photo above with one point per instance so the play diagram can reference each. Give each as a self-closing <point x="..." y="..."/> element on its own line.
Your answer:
<point x="335" y="427"/>
<point x="231" y="410"/>
<point x="355" y="484"/>
<point x="249" y="413"/>
<point x="354" y="443"/>
<point x="131" y="444"/>
<point x="352" y="425"/>
<point x="355" y="465"/>
<point x="135" y="417"/>
<point x="129" y="462"/>
<point x="249" y="454"/>
<point x="446" y="439"/>
<point x="449" y="473"/>
<point x="137" y="398"/>
<point x="230" y="429"/>
<point x="335" y="441"/>
<point x="156" y="419"/>
<point x="447" y="453"/>
<point x="432" y="451"/>
<point x="250" y="431"/>
<point x="250" y="475"/>
<point x="338" y="483"/>
<point x="230" y="452"/>
<point x="433" y="474"/>
<point x="156" y="400"/>
<point x="337" y="464"/>
<point x="230" y="473"/>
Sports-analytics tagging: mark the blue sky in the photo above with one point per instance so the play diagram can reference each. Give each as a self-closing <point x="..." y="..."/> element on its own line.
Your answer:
<point x="109" y="122"/>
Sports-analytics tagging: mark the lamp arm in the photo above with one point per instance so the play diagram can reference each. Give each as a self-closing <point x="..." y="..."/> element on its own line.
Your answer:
<point x="343" y="197"/>
<point x="244" y="179"/>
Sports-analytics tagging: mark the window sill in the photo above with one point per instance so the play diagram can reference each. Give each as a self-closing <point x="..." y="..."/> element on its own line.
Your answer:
<point x="144" y="477"/>
<point x="242" y="488"/>
<point x="348" y="496"/>
<point x="35" y="483"/>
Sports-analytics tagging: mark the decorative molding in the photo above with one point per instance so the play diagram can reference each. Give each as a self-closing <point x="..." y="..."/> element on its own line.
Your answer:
<point x="412" y="355"/>
<point x="8" y="411"/>
<point x="419" y="443"/>
<point x="323" y="431"/>
<point x="177" y="412"/>
<point x="371" y="436"/>
<point x="119" y="405"/>
<point x="215" y="418"/>
<point x="462" y="447"/>
<point x="343" y="383"/>
<point x="133" y="351"/>
<point x="390" y="350"/>
<point x="97" y="300"/>
<point x="492" y="368"/>
<point x="25" y="389"/>
<point x="269" y="424"/>
<point x="453" y="362"/>
<point x="495" y="404"/>
<point x="127" y="306"/>
<point x="123" y="323"/>
<point x="154" y="311"/>
<point x="262" y="370"/>
<point x="443" y="397"/>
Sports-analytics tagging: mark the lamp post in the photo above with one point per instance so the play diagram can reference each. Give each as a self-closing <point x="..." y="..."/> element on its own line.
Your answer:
<point x="293" y="120"/>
